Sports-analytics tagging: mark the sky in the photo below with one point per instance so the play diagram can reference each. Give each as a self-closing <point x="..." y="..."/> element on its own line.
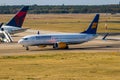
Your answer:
<point x="58" y="2"/>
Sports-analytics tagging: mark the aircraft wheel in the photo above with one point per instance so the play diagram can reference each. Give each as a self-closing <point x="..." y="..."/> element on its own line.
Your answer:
<point x="27" y="48"/>
<point x="67" y="47"/>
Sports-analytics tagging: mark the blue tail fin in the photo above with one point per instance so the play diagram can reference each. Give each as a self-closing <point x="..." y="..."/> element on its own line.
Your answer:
<point x="18" y="19"/>
<point x="93" y="26"/>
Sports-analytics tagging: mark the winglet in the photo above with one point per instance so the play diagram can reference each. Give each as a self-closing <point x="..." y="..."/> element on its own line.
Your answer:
<point x="105" y="36"/>
<point x="18" y="19"/>
<point x="93" y="26"/>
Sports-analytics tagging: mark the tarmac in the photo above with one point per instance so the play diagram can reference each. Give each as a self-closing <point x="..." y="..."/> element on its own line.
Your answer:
<point x="111" y="44"/>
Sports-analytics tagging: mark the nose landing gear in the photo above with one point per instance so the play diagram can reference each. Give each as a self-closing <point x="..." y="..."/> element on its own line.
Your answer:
<point x="26" y="47"/>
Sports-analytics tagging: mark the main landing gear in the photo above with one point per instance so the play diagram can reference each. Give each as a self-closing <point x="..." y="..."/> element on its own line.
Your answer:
<point x="27" y="48"/>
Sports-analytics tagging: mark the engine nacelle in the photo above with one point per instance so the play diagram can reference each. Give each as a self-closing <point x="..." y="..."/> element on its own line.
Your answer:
<point x="2" y="29"/>
<point x="60" y="45"/>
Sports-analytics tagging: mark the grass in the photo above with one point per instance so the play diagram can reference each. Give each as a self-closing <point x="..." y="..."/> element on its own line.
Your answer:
<point x="61" y="66"/>
<point x="66" y="65"/>
<point x="67" y="22"/>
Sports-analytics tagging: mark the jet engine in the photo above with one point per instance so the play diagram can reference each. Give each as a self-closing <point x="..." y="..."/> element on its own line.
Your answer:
<point x="2" y="29"/>
<point x="60" y="45"/>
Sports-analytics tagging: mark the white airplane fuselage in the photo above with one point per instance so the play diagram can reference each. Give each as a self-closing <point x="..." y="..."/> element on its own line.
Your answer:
<point x="51" y="39"/>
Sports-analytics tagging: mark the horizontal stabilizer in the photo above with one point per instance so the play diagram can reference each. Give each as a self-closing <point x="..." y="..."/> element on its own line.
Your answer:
<point x="105" y="36"/>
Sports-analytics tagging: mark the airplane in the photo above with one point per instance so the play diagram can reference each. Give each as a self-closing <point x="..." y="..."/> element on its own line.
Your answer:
<point x="61" y="41"/>
<point x="15" y="24"/>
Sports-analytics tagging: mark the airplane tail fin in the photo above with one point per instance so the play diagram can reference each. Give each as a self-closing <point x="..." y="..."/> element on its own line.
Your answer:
<point x="93" y="26"/>
<point x="18" y="19"/>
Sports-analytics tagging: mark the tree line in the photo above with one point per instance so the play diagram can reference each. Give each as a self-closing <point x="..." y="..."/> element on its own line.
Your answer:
<point x="62" y="9"/>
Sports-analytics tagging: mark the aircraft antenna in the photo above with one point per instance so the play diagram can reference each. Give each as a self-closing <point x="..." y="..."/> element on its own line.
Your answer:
<point x="38" y="32"/>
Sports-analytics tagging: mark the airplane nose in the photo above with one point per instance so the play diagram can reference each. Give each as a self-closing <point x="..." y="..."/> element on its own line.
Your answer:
<point x="20" y="42"/>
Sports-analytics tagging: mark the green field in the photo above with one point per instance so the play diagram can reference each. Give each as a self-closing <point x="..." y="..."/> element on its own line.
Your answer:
<point x="61" y="66"/>
<point x="68" y="22"/>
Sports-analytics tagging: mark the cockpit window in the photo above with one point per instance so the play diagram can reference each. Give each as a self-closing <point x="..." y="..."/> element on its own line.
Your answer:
<point x="25" y="38"/>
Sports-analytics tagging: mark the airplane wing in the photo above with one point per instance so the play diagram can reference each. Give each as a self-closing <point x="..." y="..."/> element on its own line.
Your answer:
<point x="111" y="34"/>
<point x="105" y="35"/>
<point x="19" y="30"/>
